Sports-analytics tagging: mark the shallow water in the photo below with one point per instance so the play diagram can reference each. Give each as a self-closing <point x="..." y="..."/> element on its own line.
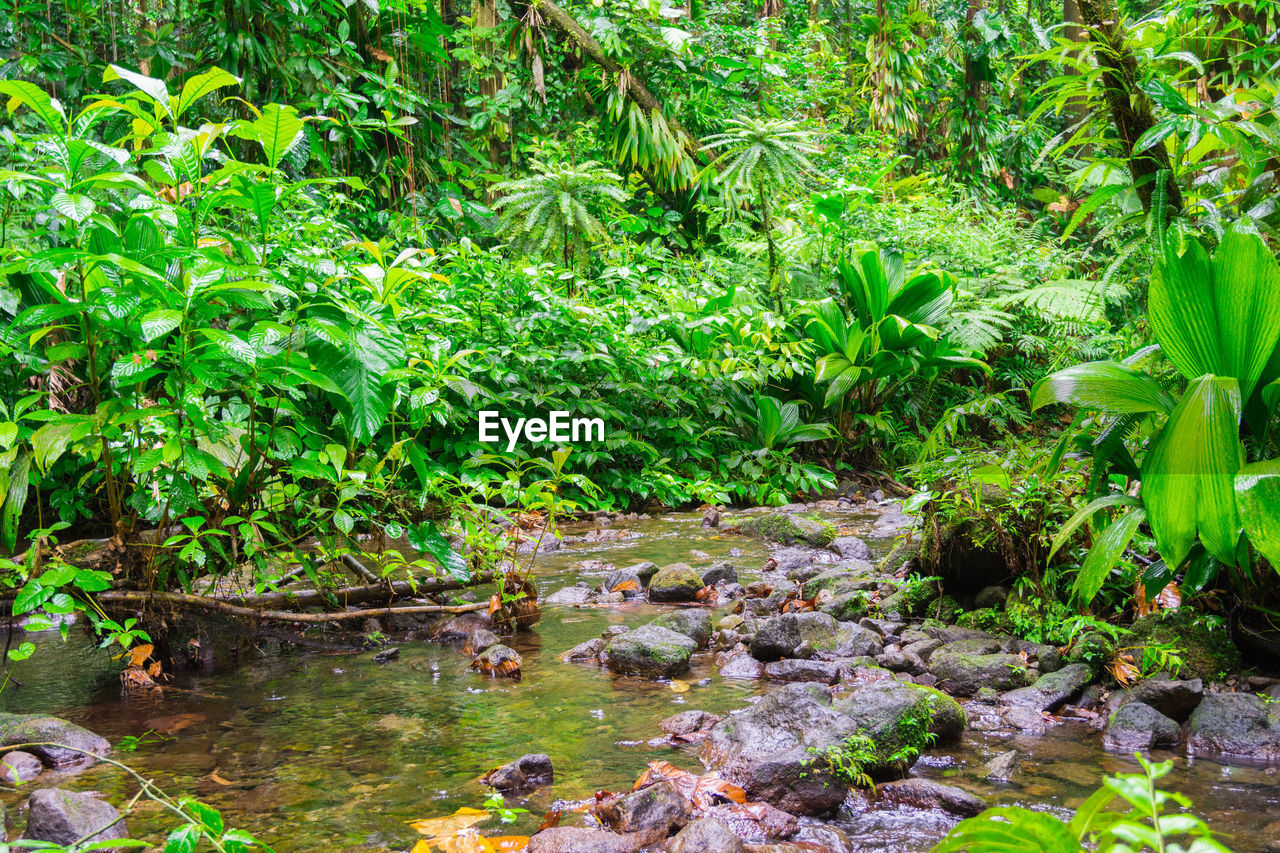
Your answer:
<point x="337" y="752"/>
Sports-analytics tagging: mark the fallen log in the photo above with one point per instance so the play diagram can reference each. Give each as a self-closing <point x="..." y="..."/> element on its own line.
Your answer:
<point x="353" y="594"/>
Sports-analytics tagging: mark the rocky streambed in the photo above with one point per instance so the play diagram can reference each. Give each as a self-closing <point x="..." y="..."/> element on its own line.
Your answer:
<point x="774" y="676"/>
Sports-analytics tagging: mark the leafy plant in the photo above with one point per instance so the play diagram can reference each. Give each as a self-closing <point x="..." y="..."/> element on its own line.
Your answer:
<point x="553" y="207"/>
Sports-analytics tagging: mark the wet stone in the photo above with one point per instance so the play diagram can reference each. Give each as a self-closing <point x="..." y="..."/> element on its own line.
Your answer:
<point x="18" y="767"/>
<point x="705" y="835"/>
<point x="1140" y="727"/>
<point x="651" y="651"/>
<point x="588" y="651"/>
<point x="577" y="839"/>
<point x="822" y="672"/>
<point x="928" y="794"/>
<point x="64" y="817"/>
<point x="525" y="773"/>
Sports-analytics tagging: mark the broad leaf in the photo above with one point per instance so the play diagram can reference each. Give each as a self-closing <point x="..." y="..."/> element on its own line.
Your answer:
<point x="1188" y="476"/>
<point x="1086" y="513"/>
<point x="75" y="207"/>
<point x="1105" y="554"/>
<point x="150" y="86"/>
<point x="278" y="130"/>
<point x="426" y="537"/>
<point x="22" y="93"/>
<point x="203" y="84"/>
<point x="1258" y="497"/>
<point x="1247" y="284"/>
<point x="1102" y="385"/>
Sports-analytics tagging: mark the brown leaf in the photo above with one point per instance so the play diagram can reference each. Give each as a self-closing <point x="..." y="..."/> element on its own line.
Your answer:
<point x="215" y="776"/>
<point x="1170" y="598"/>
<point x="442" y="827"/>
<point x="138" y="654"/>
<point x="626" y="586"/>
<point x="154" y="670"/>
<point x="1123" y="669"/>
<point x="702" y="791"/>
<point x="549" y="820"/>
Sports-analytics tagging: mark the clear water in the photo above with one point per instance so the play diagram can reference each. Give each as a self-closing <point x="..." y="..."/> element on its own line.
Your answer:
<point x="334" y="751"/>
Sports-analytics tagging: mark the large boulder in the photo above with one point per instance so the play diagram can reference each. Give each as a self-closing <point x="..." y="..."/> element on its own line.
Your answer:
<point x="693" y="622"/>
<point x="1052" y="689"/>
<point x="1240" y="724"/>
<point x="822" y="672"/>
<point x="773" y="749"/>
<point x="781" y="636"/>
<point x="651" y="651"/>
<point x="1136" y="726"/>
<point x="77" y="746"/>
<point x="676" y="582"/>
<point x="717" y="572"/>
<point x="64" y="817"/>
<point x="966" y="666"/>
<point x="849" y="576"/>
<point x="1205" y="647"/>
<point x="787" y="529"/>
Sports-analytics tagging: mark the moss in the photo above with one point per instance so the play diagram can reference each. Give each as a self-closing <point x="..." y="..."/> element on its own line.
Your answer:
<point x="1201" y="641"/>
<point x="849" y="607"/>
<point x="788" y="529"/>
<point x="986" y="619"/>
<point x="944" y="608"/>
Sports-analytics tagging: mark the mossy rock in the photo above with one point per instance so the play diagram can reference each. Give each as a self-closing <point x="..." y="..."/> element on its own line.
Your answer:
<point x="902" y="720"/>
<point x="849" y="607"/>
<point x="986" y="619"/>
<point x="787" y="529"/>
<point x="944" y="608"/>
<point x="651" y="651"/>
<point x="676" y="582"/>
<point x="839" y="579"/>
<point x="1206" y="649"/>
<point x="908" y="600"/>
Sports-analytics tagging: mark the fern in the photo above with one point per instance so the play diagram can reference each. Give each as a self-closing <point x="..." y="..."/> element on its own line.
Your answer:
<point x="1068" y="299"/>
<point x="979" y="328"/>
<point x="551" y="207"/>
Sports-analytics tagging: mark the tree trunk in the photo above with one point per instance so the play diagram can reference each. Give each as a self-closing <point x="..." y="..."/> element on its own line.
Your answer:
<point x="1077" y="108"/>
<point x="1130" y="107"/>
<point x="485" y="18"/>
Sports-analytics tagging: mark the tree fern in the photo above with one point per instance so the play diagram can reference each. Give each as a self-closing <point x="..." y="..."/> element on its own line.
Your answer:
<point x="1068" y="299"/>
<point x="552" y="207"/>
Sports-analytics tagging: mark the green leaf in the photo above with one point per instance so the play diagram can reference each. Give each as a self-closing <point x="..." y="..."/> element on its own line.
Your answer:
<point x="359" y="365"/>
<point x="77" y="208"/>
<point x="1086" y="513"/>
<point x="232" y="344"/>
<point x="23" y="651"/>
<point x="15" y="499"/>
<point x="1188" y="475"/>
<point x="149" y="86"/>
<point x="160" y="322"/>
<point x="184" y="839"/>
<point x="426" y="538"/>
<point x="203" y="84"/>
<point x="1105" y="554"/>
<point x="1247" y="284"/>
<point x="278" y="129"/>
<point x="1009" y="829"/>
<point x="1102" y="385"/>
<point x="22" y="93"/>
<point x="31" y="596"/>
<point x="1258" y="497"/>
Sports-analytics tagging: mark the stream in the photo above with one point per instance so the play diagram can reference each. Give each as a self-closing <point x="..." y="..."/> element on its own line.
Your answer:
<point x="311" y="750"/>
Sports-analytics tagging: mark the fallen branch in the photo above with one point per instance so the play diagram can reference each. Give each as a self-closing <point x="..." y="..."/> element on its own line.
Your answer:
<point x="354" y="594"/>
<point x="180" y="599"/>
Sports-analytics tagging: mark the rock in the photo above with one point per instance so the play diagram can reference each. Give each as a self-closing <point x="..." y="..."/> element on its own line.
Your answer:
<point x="965" y="666"/>
<point x="766" y="748"/>
<point x="1140" y="727"/>
<point x="844" y="578"/>
<point x="574" y="595"/>
<point x="853" y="641"/>
<point x="1052" y="689"/>
<point x="526" y="772"/>
<point x="1026" y="720"/>
<point x="16" y="767"/>
<point x="721" y="571"/>
<point x="579" y="839"/>
<point x="1205" y="648"/>
<point x="1175" y="699"/>
<point x="928" y="794"/>
<point x="651" y="651"/>
<point x="64" y="817"/>
<point x="730" y="622"/>
<point x="991" y="596"/>
<point x="757" y="824"/>
<point x="1003" y="767"/>
<point x="1045" y="657"/>
<point x="790" y="559"/>
<point x="1235" y="724"/>
<point x="654" y="811"/>
<point x="787" y="529"/>
<point x="498" y="661"/>
<point x="626" y="581"/>
<point x="588" y="651"/>
<point x="34" y="728"/>
<point x="711" y="518"/>
<point x="851" y="547"/>
<point x="848" y="607"/>
<point x="645" y="570"/>
<point x="676" y="582"/>
<point x="705" y="835"/>
<point x="388" y="655"/>
<point x="693" y="622"/>
<point x="779" y="637"/>
<point x="884" y="627"/>
<point x="741" y="665"/>
<point x="822" y="672"/>
<point x="688" y="722"/>
<point x="482" y="640"/>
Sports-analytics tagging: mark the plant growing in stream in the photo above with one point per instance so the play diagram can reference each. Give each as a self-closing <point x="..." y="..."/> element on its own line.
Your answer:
<point x="1149" y="819"/>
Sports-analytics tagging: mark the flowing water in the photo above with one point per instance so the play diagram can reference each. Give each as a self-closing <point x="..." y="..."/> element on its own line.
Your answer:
<point x="314" y="751"/>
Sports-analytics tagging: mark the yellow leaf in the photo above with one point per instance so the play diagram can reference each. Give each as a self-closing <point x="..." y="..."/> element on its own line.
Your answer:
<point x="421" y="847"/>
<point x="678" y="686"/>
<point x="441" y="827"/>
<point x="138" y="654"/>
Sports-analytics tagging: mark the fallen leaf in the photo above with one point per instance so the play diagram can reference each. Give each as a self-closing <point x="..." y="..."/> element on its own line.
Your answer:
<point x="442" y="827"/>
<point x="217" y="777"/>
<point x="549" y="820"/>
<point x="626" y="586"/>
<point x="702" y="791"/>
<point x="138" y="654"/>
<point x="1170" y="598"/>
<point x="1123" y="669"/>
<point x="678" y="686"/>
